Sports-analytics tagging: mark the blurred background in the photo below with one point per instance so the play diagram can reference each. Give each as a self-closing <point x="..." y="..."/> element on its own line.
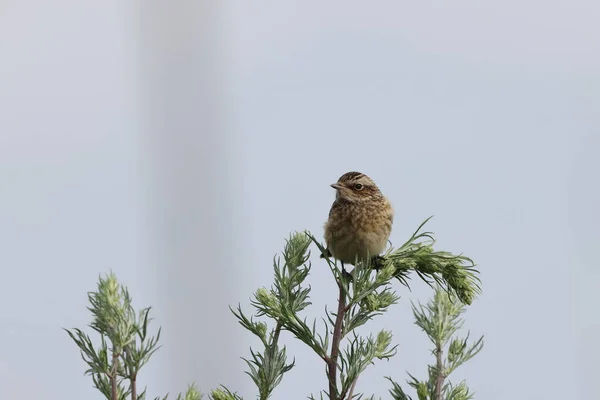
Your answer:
<point x="179" y="143"/>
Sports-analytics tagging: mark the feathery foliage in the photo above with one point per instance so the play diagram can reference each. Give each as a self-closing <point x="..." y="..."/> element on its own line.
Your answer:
<point x="125" y="345"/>
<point x="440" y="319"/>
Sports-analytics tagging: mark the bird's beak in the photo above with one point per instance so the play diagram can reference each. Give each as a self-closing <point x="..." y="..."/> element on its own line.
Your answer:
<point x="336" y="186"/>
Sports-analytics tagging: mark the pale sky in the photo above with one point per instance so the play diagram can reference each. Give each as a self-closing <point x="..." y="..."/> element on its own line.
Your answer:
<point x="178" y="145"/>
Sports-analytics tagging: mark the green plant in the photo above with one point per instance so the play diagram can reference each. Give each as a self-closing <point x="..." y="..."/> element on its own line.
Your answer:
<point x="125" y="345"/>
<point x="440" y="319"/>
<point x="366" y="293"/>
<point x="363" y="296"/>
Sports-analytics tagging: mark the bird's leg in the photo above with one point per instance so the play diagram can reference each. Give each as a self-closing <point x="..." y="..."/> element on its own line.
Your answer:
<point x="377" y="262"/>
<point x="347" y="275"/>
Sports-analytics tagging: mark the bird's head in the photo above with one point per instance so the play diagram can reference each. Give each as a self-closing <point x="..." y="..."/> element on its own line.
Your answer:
<point x="355" y="186"/>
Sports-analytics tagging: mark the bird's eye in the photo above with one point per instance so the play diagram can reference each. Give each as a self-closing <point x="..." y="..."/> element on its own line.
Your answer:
<point x="358" y="186"/>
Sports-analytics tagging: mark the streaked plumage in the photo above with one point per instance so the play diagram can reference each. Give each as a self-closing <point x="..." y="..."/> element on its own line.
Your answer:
<point x="360" y="219"/>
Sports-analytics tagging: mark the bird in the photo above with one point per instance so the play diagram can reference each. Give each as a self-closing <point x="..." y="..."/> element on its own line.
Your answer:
<point x="360" y="220"/>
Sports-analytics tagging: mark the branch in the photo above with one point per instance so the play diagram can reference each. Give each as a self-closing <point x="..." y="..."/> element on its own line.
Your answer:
<point x="277" y="332"/>
<point x="351" y="392"/>
<point x="134" y="388"/>
<point x="113" y="375"/>
<point x="455" y="273"/>
<point x="439" y="380"/>
<point x="335" y="343"/>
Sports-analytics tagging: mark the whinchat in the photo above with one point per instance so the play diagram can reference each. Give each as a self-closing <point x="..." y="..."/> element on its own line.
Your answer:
<point x="360" y="219"/>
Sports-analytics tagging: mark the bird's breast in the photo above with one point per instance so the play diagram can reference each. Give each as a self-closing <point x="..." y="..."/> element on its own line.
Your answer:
<point x="358" y="229"/>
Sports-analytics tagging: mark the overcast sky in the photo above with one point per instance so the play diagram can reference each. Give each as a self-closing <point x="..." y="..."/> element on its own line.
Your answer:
<point x="179" y="144"/>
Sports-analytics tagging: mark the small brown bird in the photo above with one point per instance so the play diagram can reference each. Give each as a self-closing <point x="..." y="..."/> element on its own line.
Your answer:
<point x="360" y="219"/>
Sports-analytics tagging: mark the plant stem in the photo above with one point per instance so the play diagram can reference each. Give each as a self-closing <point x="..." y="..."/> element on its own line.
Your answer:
<point x="277" y="332"/>
<point x="439" y="381"/>
<point x="113" y="376"/>
<point x="351" y="392"/>
<point x="335" y="344"/>
<point x="134" y="387"/>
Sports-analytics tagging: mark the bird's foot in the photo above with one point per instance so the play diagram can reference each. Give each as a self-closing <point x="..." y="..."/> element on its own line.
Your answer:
<point x="326" y="254"/>
<point x="377" y="262"/>
<point x="347" y="275"/>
